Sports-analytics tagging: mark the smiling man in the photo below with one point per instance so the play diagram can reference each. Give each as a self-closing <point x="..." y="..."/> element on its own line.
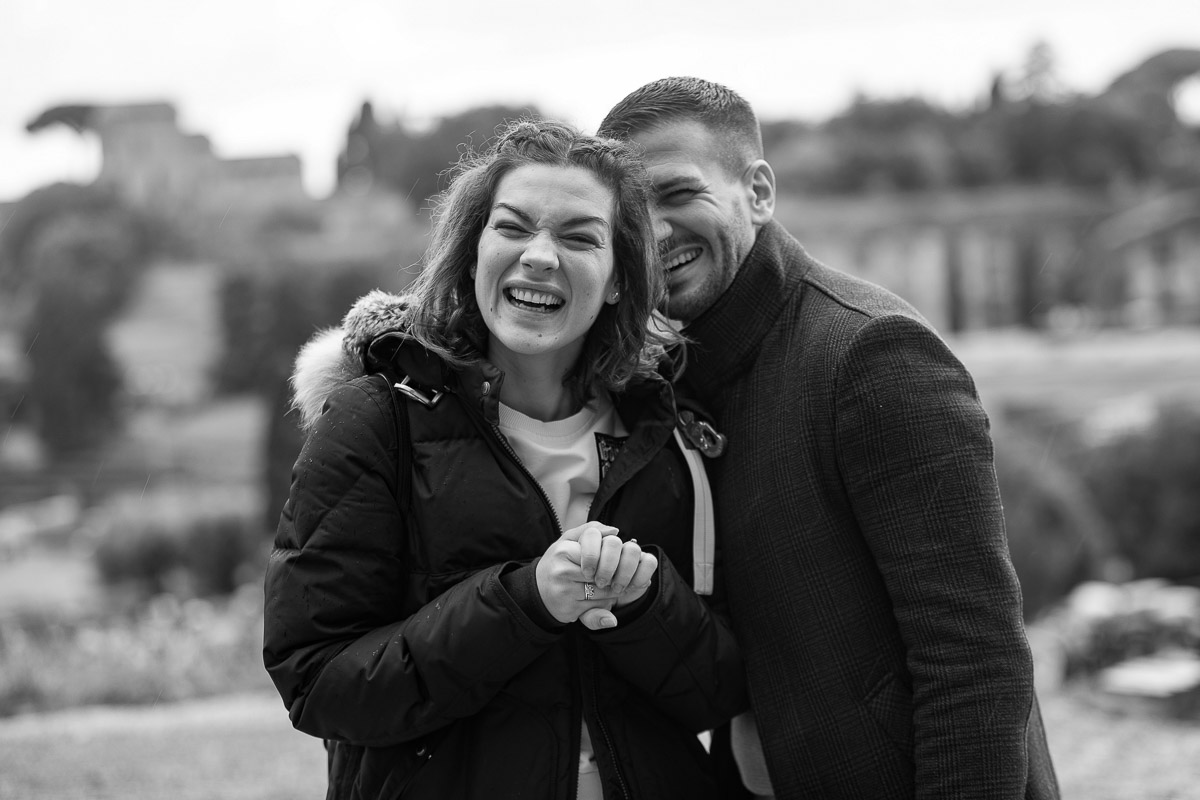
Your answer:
<point x="863" y="541"/>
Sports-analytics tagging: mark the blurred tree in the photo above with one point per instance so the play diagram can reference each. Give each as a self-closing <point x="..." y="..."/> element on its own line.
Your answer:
<point x="70" y="258"/>
<point x="1028" y="128"/>
<point x="1038" y="81"/>
<point x="47" y="208"/>
<point x="892" y="145"/>
<point x="414" y="164"/>
<point x="1056" y="536"/>
<point x="1146" y="482"/>
<point x="73" y="385"/>
<point x="267" y="313"/>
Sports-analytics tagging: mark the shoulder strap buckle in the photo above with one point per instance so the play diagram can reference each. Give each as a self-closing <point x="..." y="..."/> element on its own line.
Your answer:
<point x="702" y="436"/>
<point x="413" y="393"/>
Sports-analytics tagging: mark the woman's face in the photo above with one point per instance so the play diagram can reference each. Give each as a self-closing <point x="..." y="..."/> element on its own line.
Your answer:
<point x="545" y="265"/>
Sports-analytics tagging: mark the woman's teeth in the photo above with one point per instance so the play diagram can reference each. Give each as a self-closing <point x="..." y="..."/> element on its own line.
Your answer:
<point x="543" y="301"/>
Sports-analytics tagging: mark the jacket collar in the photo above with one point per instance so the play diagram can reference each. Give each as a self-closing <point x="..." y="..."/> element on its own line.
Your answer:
<point x="727" y="337"/>
<point x="479" y="382"/>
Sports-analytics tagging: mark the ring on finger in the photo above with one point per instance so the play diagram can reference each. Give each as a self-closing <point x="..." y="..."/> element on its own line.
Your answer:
<point x="589" y="591"/>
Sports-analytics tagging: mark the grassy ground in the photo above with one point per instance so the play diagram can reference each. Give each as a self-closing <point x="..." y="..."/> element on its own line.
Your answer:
<point x="238" y="747"/>
<point x="243" y="748"/>
<point x="1106" y="371"/>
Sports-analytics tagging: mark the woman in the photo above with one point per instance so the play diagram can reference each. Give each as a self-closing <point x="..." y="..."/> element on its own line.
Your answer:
<point x="481" y="580"/>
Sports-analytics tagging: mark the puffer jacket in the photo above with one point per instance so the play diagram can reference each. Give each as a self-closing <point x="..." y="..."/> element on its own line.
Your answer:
<point x="409" y="634"/>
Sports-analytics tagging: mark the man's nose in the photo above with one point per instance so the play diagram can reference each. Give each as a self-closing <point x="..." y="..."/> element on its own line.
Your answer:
<point x="540" y="253"/>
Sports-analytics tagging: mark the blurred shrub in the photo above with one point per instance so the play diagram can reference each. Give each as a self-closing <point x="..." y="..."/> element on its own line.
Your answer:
<point x="70" y="257"/>
<point x="1055" y="536"/>
<point x="415" y="163"/>
<point x="1146" y="483"/>
<point x="168" y="650"/>
<point x="73" y="381"/>
<point x="266" y="316"/>
<point x="1100" y="624"/>
<point x="83" y="232"/>
<point x="268" y="313"/>
<point x="180" y="541"/>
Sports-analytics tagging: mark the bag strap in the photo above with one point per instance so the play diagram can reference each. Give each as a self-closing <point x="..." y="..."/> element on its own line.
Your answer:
<point x="704" y="540"/>
<point x="383" y="357"/>
<point x="697" y="440"/>
<point x="404" y="448"/>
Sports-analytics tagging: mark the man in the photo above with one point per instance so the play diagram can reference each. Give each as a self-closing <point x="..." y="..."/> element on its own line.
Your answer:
<point x="863" y="542"/>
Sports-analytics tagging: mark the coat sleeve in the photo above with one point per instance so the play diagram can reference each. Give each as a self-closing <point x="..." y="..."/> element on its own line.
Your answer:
<point x="914" y="448"/>
<point x="681" y="653"/>
<point x="348" y="664"/>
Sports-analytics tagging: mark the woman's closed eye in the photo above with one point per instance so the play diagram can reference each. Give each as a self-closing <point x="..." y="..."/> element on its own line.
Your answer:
<point x="509" y="229"/>
<point x="581" y="240"/>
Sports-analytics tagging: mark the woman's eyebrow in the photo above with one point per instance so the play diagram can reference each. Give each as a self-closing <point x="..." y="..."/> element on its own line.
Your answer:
<point x="584" y="220"/>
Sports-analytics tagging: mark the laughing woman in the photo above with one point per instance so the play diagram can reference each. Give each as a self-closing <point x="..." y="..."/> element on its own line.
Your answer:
<point x="482" y="583"/>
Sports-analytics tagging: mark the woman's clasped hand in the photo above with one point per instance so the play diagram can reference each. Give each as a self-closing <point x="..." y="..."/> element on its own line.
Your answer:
<point x="589" y="571"/>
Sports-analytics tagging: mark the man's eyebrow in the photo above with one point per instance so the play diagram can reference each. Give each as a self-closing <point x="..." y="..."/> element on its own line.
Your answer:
<point x="573" y="221"/>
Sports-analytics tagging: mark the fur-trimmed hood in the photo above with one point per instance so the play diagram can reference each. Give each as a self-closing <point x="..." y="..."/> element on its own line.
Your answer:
<point x="335" y="355"/>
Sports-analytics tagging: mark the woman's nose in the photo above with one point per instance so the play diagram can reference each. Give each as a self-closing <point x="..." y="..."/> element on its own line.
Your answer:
<point x="540" y="253"/>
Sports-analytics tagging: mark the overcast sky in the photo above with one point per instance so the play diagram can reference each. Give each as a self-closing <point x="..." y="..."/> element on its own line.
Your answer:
<point x="263" y="78"/>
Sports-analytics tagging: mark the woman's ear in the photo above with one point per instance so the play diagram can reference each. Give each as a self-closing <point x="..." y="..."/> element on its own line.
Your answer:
<point x="762" y="190"/>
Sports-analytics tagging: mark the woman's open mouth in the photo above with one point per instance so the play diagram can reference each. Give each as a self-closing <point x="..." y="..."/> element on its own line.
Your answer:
<point x="542" y="302"/>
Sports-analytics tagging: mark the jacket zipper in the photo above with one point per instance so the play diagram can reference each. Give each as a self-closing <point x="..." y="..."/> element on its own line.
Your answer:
<point x="608" y="743"/>
<point x="604" y="734"/>
<point x="508" y="448"/>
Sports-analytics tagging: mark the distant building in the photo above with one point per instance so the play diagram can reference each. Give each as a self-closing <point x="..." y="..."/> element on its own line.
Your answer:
<point x="1031" y="257"/>
<point x="152" y="163"/>
<point x="240" y="209"/>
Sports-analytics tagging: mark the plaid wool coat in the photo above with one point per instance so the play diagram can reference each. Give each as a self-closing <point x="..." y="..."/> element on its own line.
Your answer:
<point x="862" y="542"/>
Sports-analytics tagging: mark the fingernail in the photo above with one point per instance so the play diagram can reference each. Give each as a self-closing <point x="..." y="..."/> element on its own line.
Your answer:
<point x="608" y="622"/>
<point x="602" y="584"/>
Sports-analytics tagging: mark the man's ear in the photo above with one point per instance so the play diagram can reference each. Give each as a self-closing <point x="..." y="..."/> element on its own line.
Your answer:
<point x="761" y="182"/>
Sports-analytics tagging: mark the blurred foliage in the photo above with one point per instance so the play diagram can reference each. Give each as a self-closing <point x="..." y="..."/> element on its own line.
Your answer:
<point x="1100" y="624"/>
<point x="1055" y="536"/>
<point x="78" y="233"/>
<point x="179" y="540"/>
<point x="1026" y="129"/>
<point x="169" y="649"/>
<point x="1082" y="506"/>
<point x="70" y="258"/>
<point x="911" y="144"/>
<point x="267" y="314"/>
<point x="72" y="392"/>
<point x="1146" y="483"/>
<point x="415" y="164"/>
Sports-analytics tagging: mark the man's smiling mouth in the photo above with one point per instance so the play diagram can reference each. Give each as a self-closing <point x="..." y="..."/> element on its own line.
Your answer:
<point x="686" y="257"/>
<point x="533" y="301"/>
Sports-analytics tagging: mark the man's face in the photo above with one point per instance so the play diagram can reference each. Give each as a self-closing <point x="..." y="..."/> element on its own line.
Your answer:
<point x="702" y="214"/>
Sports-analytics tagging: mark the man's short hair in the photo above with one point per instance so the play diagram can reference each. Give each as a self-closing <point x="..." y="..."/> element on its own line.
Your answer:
<point x="719" y="109"/>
